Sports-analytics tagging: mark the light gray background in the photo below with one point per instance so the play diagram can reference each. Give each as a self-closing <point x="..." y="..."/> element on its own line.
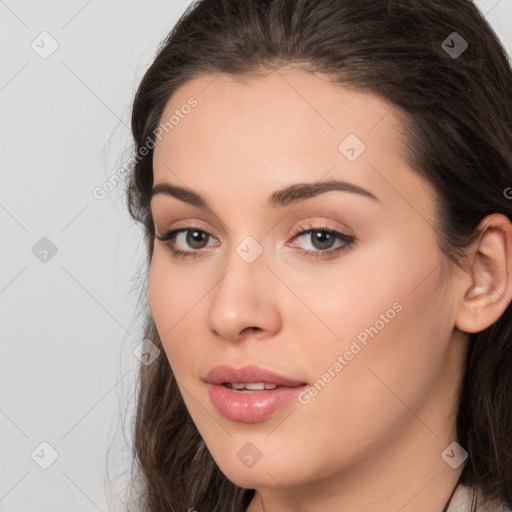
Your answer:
<point x="68" y="329"/>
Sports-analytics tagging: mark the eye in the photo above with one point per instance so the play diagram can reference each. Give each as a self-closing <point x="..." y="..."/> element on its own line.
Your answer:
<point x="192" y="237"/>
<point x="322" y="241"/>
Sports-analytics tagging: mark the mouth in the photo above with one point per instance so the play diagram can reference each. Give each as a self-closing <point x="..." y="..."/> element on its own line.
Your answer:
<point x="250" y="394"/>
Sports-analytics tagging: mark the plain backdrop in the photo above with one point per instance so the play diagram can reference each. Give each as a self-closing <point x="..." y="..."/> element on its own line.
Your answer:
<point x="68" y="260"/>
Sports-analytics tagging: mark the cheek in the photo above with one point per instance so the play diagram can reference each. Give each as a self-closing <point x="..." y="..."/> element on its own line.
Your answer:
<point x="393" y="326"/>
<point x="179" y="296"/>
<point x="162" y="301"/>
<point x="173" y="291"/>
<point x="173" y="295"/>
<point x="387" y="300"/>
<point x="365" y="295"/>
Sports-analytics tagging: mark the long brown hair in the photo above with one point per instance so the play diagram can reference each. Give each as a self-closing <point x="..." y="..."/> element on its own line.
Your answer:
<point x="457" y="130"/>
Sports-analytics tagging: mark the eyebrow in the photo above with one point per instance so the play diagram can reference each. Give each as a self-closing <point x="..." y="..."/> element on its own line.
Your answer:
<point x="279" y="199"/>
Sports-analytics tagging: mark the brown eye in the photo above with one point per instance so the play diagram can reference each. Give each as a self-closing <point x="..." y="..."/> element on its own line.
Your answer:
<point x="196" y="238"/>
<point x="186" y="242"/>
<point x="322" y="240"/>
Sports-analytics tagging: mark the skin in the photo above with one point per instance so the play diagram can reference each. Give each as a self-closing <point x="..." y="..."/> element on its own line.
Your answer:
<point x="372" y="439"/>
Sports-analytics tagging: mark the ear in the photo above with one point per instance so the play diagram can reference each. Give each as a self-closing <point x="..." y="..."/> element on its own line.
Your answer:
<point x="489" y="291"/>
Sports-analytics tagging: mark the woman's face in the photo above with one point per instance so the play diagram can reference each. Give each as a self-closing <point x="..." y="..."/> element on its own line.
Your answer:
<point x="360" y="314"/>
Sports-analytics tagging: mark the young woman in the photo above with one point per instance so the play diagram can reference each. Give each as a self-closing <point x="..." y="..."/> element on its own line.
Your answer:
<point x="325" y="189"/>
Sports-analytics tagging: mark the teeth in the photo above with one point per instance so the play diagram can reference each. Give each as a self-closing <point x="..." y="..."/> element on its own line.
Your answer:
<point x="253" y="386"/>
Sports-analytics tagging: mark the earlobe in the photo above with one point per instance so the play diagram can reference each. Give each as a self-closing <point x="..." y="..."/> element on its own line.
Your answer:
<point x="489" y="292"/>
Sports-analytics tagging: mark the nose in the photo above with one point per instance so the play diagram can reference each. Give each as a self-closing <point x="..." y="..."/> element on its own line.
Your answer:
<point x="245" y="301"/>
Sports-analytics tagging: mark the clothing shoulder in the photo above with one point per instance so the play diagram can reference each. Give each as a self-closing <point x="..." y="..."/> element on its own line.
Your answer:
<point x="463" y="499"/>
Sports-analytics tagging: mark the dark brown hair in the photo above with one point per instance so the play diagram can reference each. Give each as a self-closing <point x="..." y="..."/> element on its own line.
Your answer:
<point x="457" y="134"/>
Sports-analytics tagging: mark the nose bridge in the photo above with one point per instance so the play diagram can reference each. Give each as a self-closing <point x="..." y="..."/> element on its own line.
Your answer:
<point x="245" y="264"/>
<point x="243" y="297"/>
<point x="245" y="272"/>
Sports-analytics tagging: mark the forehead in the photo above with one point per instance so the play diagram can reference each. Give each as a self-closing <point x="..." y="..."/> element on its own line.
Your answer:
<point x="284" y="127"/>
<point x="280" y="105"/>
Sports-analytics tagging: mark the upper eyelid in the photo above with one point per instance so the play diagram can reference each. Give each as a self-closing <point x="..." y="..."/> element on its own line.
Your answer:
<point x="299" y="230"/>
<point x="308" y="226"/>
<point x="322" y="224"/>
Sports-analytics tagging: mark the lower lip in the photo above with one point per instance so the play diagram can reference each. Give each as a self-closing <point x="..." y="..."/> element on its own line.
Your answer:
<point x="251" y="406"/>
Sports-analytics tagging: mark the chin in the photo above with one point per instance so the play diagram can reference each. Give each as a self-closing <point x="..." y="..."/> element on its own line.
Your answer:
<point x="249" y="479"/>
<point x="263" y="474"/>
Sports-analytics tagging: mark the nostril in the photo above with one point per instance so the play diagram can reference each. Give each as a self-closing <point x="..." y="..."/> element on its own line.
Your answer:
<point x="252" y="329"/>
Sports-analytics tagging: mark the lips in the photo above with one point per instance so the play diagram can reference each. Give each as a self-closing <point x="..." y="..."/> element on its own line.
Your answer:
<point x="250" y="394"/>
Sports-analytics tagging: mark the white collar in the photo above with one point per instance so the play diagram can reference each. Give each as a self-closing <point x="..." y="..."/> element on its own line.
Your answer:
<point x="463" y="498"/>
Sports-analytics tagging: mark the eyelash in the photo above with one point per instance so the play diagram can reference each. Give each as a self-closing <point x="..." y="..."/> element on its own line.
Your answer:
<point x="169" y="239"/>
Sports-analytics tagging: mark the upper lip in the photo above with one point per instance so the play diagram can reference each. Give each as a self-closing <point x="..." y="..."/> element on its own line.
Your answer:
<point x="225" y="374"/>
